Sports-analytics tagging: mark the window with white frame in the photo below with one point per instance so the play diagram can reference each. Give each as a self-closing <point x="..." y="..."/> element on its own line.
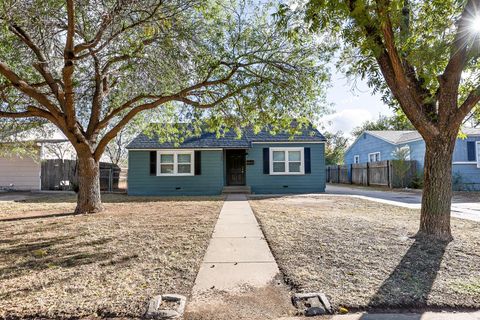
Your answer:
<point x="175" y="163"/>
<point x="356" y="158"/>
<point x="374" y="157"/>
<point x="478" y="154"/>
<point x="286" y="161"/>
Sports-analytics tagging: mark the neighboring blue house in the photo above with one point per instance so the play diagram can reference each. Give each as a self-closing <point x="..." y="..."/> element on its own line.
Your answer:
<point x="207" y="165"/>
<point x="373" y="146"/>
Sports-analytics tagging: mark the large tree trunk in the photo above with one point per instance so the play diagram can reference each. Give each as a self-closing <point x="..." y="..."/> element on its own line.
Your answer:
<point x="437" y="190"/>
<point x="88" y="198"/>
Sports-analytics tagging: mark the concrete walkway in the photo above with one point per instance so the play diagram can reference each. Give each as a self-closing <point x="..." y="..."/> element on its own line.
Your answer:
<point x="238" y="254"/>
<point x="462" y="209"/>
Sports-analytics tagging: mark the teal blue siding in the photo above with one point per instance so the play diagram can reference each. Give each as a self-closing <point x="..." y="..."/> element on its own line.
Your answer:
<point x="140" y="182"/>
<point x="276" y="184"/>
<point x="212" y="178"/>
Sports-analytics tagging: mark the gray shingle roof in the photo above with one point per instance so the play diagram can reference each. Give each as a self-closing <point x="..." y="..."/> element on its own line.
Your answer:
<point x="396" y="137"/>
<point x="229" y="140"/>
<point x="399" y="137"/>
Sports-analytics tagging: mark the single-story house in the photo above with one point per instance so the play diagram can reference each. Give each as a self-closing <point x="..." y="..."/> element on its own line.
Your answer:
<point x="208" y="165"/>
<point x="372" y="146"/>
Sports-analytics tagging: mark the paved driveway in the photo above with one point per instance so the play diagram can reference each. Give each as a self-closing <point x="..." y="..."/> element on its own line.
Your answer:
<point x="463" y="207"/>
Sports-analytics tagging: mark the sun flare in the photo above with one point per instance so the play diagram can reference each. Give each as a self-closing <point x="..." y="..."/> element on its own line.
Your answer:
<point x="476" y="24"/>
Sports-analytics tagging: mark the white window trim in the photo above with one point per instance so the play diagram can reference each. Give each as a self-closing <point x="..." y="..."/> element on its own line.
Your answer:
<point x="478" y="153"/>
<point x="355" y="157"/>
<point x="286" y="149"/>
<point x="373" y="153"/>
<point x="175" y="163"/>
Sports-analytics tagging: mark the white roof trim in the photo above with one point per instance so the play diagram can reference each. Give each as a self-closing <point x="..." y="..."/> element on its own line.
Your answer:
<point x="350" y="146"/>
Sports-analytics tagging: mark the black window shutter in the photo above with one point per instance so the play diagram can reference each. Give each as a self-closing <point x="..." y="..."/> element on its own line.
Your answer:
<point x="471" y="150"/>
<point x="266" y="161"/>
<point x="308" y="165"/>
<point x="153" y="163"/>
<point x="198" y="163"/>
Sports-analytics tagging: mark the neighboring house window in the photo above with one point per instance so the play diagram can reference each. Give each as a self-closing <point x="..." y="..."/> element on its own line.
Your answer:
<point x="175" y="163"/>
<point x="356" y="159"/>
<point x="287" y="161"/>
<point x="471" y="151"/>
<point x="374" y="157"/>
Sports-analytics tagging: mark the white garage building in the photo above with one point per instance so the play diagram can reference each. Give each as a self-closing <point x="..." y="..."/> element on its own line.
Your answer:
<point x="23" y="172"/>
<point x="20" y="173"/>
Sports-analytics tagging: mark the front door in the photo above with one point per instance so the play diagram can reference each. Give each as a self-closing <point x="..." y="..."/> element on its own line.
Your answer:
<point x="235" y="160"/>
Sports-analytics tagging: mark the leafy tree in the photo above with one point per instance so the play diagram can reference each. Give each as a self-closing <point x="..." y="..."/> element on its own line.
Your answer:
<point x="422" y="56"/>
<point x="91" y="66"/>
<point x="395" y="122"/>
<point x="335" y="147"/>
<point x="473" y="119"/>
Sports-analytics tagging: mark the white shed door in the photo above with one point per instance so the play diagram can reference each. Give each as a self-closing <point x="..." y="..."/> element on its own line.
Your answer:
<point x="19" y="173"/>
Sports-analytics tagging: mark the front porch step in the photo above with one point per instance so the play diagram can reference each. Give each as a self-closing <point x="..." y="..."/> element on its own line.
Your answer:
<point x="237" y="189"/>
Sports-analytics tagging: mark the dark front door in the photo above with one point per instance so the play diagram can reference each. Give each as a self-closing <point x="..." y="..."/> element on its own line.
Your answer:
<point x="235" y="167"/>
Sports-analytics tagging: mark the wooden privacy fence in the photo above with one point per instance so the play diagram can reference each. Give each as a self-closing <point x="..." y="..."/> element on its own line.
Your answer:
<point x="57" y="174"/>
<point x="389" y="173"/>
<point x="338" y="174"/>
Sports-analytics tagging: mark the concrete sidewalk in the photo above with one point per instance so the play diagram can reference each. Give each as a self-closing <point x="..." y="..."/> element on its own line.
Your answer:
<point x="238" y="254"/>
<point x="410" y="316"/>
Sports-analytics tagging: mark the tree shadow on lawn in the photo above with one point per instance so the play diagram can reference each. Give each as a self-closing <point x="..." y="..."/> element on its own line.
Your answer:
<point x="42" y="254"/>
<point x="37" y="216"/>
<point x="410" y="283"/>
<point x="115" y="198"/>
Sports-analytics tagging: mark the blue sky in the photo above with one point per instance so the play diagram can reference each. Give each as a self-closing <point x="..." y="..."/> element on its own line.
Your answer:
<point x="353" y="103"/>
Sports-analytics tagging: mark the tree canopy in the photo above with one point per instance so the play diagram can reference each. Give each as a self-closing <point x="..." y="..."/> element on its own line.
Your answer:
<point x="429" y="38"/>
<point x="91" y="67"/>
<point x="395" y="122"/>
<point x="335" y="147"/>
<point x="423" y="57"/>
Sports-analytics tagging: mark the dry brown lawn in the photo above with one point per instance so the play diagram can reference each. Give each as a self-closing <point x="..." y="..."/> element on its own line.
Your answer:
<point x="363" y="254"/>
<point x="109" y="264"/>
